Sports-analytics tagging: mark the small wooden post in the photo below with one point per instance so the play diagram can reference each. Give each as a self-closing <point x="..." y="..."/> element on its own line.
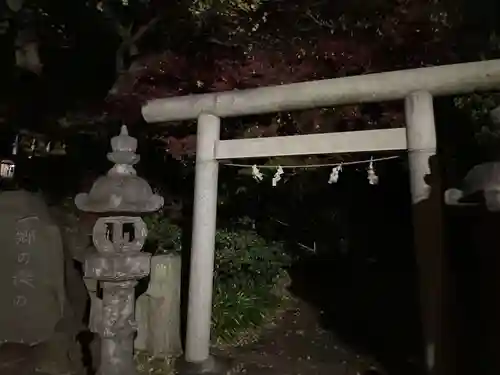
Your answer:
<point x="427" y="222"/>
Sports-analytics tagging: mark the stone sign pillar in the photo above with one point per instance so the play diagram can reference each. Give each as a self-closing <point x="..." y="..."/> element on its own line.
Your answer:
<point x="119" y="263"/>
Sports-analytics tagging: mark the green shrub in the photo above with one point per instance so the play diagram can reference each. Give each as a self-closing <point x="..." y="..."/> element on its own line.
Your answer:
<point x="247" y="268"/>
<point x="246" y="271"/>
<point x="164" y="237"/>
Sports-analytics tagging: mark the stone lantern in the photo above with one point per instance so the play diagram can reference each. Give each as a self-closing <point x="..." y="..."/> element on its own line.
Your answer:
<point x="119" y="234"/>
<point x="480" y="187"/>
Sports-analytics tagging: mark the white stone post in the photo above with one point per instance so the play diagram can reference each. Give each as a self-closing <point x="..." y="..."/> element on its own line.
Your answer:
<point x="421" y="137"/>
<point x="427" y="226"/>
<point x="203" y="241"/>
<point x="157" y="311"/>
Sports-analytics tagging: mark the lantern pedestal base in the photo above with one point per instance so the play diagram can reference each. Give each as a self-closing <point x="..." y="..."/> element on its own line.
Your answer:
<point x="212" y="366"/>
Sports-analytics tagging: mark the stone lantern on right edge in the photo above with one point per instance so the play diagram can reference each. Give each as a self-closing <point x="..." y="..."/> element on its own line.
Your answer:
<point x="119" y="234"/>
<point x="480" y="187"/>
<point x="474" y="216"/>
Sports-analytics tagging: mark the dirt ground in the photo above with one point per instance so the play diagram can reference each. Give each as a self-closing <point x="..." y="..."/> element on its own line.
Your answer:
<point x="18" y="359"/>
<point x="294" y="344"/>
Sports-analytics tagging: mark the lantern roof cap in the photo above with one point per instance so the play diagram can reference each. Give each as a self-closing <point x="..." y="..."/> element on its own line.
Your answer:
<point x="480" y="187"/>
<point x="120" y="190"/>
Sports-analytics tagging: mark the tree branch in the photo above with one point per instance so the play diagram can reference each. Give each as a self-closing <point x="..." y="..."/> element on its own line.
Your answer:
<point x="319" y="22"/>
<point x="142" y="30"/>
<point x="129" y="42"/>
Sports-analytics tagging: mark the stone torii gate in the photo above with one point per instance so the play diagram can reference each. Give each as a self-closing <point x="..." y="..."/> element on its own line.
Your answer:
<point x="416" y="87"/>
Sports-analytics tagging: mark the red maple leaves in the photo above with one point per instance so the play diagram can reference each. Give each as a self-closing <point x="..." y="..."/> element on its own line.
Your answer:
<point x="412" y="33"/>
